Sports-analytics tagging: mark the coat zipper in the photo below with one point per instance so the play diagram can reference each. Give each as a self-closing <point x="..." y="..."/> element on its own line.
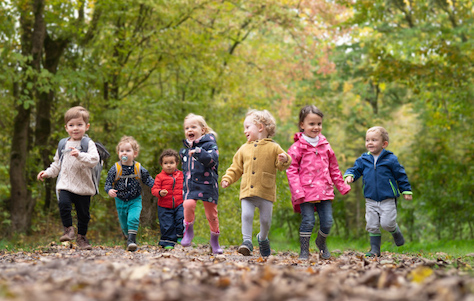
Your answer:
<point x="174" y="182"/>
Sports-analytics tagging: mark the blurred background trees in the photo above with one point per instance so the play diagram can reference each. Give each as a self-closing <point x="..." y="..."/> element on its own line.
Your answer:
<point x="141" y="66"/>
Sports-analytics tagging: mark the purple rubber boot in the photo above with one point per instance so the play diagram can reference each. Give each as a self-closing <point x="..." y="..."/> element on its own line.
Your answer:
<point x="188" y="234"/>
<point x="216" y="249"/>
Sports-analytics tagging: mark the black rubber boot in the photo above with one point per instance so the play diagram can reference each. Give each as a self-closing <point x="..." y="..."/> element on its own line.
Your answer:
<point x="375" y="242"/>
<point x="304" y="247"/>
<point x="398" y="237"/>
<point x="321" y="244"/>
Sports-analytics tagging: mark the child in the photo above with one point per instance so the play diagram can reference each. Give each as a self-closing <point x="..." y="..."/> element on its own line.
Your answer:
<point x="312" y="176"/>
<point x="383" y="178"/>
<point x="123" y="185"/>
<point x="257" y="162"/>
<point x="168" y="188"/>
<point x="200" y="161"/>
<point x="74" y="171"/>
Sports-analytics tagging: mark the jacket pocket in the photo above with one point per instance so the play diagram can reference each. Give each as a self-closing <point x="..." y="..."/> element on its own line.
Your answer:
<point x="268" y="180"/>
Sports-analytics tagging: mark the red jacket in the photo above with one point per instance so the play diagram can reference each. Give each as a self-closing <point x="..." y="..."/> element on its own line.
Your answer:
<point x="174" y="184"/>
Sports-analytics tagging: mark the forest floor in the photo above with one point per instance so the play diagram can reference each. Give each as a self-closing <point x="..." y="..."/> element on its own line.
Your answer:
<point x="60" y="272"/>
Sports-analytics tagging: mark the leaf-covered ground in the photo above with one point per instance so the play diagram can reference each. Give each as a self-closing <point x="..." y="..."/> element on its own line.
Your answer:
<point x="60" y="272"/>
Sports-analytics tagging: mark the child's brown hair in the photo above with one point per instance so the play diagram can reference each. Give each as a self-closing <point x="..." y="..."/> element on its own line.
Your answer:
<point x="76" y="112"/>
<point x="169" y="153"/>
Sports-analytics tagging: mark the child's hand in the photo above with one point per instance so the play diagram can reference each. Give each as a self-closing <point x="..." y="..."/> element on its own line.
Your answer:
<point x="408" y="197"/>
<point x="224" y="184"/>
<point x="163" y="192"/>
<point x="42" y="174"/>
<point x="349" y="179"/>
<point x="113" y="193"/>
<point x="74" y="152"/>
<point x="282" y="157"/>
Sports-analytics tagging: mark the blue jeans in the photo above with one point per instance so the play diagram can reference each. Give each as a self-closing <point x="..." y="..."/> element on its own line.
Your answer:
<point x="324" y="209"/>
<point x="171" y="225"/>
<point x="129" y="214"/>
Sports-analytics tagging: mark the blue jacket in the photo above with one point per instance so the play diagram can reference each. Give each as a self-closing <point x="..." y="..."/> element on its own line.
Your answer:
<point x="382" y="181"/>
<point x="200" y="170"/>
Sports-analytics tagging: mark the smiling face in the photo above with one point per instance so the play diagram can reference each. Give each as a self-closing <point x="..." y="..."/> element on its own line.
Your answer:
<point x="251" y="130"/>
<point x="169" y="164"/>
<point x="193" y="130"/>
<point x="76" y="128"/>
<point x="374" y="142"/>
<point x="126" y="152"/>
<point x="312" y="125"/>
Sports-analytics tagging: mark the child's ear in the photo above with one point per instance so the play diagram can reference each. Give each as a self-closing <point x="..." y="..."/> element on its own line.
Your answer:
<point x="261" y="127"/>
<point x="87" y="126"/>
<point x="385" y="144"/>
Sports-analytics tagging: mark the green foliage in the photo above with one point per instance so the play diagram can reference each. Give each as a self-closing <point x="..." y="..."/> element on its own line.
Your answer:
<point x="141" y="67"/>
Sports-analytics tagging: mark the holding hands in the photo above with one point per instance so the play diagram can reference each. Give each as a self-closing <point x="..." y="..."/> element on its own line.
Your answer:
<point x="348" y="179"/>
<point x="282" y="157"/>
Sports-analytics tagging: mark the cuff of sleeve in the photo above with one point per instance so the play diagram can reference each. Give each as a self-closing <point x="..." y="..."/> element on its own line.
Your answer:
<point x="407" y="192"/>
<point x="347" y="175"/>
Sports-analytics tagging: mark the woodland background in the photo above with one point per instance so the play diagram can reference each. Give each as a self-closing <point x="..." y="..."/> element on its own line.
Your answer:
<point x="141" y="66"/>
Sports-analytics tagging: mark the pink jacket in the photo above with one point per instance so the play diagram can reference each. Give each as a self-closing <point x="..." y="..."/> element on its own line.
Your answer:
<point x="313" y="172"/>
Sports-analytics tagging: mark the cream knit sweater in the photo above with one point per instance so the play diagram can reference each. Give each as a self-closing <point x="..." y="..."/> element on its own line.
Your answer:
<point x="75" y="174"/>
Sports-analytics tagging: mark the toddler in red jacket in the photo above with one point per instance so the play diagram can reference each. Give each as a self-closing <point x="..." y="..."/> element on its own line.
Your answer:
<point x="168" y="188"/>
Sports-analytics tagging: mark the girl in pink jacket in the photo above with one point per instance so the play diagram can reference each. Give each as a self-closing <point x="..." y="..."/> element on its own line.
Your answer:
<point x="312" y="175"/>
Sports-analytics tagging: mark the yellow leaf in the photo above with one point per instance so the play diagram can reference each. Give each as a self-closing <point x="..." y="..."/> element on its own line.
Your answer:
<point x="420" y="274"/>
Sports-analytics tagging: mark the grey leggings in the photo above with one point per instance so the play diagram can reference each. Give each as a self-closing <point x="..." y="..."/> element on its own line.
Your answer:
<point x="248" y="209"/>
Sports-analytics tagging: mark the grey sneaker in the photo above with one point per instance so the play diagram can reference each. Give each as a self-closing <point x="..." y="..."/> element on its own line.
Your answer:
<point x="245" y="248"/>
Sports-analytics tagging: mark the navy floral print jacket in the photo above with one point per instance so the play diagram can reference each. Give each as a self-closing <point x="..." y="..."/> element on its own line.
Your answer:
<point x="200" y="170"/>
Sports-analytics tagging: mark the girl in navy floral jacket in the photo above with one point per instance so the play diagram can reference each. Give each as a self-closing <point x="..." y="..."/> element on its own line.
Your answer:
<point x="200" y="161"/>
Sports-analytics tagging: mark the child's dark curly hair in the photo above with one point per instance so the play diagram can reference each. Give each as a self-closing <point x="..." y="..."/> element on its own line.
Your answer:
<point x="169" y="153"/>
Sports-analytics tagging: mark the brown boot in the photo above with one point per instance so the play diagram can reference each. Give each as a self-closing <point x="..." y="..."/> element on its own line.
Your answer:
<point x="69" y="234"/>
<point x="83" y="242"/>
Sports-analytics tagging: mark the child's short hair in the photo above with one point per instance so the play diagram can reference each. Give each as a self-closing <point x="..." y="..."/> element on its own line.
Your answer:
<point x="202" y="123"/>
<point x="131" y="140"/>
<point x="306" y="110"/>
<point x="264" y="117"/>
<point x="378" y="129"/>
<point x="76" y="112"/>
<point x="169" y="153"/>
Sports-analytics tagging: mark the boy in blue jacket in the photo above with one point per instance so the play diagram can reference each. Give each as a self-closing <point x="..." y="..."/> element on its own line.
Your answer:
<point x="383" y="178"/>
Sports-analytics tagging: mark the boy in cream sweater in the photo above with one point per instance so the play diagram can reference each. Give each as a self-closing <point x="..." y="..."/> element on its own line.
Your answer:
<point x="74" y="172"/>
<point x="257" y="162"/>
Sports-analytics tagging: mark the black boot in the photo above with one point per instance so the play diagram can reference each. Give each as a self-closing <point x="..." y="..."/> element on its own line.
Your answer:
<point x="321" y="244"/>
<point x="375" y="242"/>
<point x="304" y="246"/>
<point x="132" y="242"/>
<point x="398" y="237"/>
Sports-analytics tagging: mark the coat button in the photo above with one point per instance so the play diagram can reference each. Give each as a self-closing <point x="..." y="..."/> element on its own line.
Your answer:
<point x="253" y="172"/>
<point x="255" y="145"/>
<point x="251" y="186"/>
<point x="255" y="158"/>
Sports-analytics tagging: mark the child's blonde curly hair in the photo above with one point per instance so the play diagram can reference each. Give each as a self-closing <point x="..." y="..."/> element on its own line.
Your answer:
<point x="131" y="140"/>
<point x="263" y="117"/>
<point x="380" y="130"/>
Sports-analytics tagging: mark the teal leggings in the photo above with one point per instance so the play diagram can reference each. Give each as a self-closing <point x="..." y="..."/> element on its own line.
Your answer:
<point x="129" y="214"/>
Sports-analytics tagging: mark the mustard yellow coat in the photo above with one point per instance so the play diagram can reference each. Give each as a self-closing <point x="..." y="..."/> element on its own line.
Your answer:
<point x="257" y="163"/>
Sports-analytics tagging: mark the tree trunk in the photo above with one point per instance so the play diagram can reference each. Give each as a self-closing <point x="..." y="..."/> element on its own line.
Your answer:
<point x="32" y="40"/>
<point x="149" y="208"/>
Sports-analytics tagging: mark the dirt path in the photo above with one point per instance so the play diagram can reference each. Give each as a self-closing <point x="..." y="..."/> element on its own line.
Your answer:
<point x="62" y="273"/>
